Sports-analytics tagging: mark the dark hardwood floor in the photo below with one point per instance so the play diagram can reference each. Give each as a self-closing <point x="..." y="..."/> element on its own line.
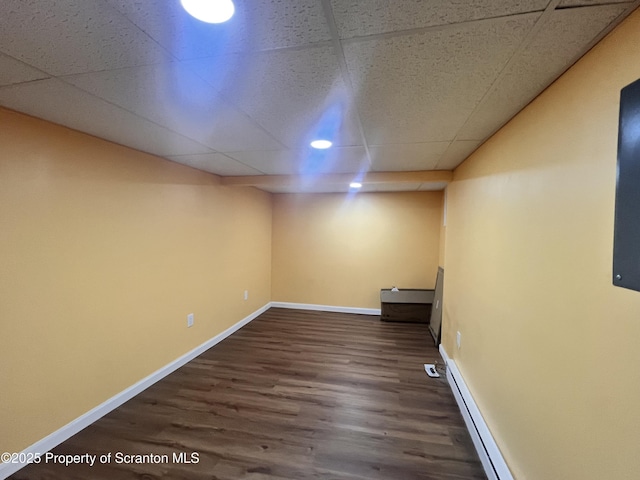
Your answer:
<point x="293" y="395"/>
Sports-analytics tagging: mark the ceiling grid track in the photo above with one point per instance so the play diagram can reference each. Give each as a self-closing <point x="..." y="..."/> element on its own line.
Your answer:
<point x="344" y="70"/>
<point x="435" y="28"/>
<point x="607" y="30"/>
<point x="405" y="86"/>
<point x="544" y="18"/>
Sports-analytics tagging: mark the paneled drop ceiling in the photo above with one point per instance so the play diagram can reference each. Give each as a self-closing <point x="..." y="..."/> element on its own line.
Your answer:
<point x="398" y="85"/>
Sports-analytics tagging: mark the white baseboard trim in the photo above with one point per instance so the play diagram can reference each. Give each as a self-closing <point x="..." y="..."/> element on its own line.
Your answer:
<point x="83" y="421"/>
<point x="492" y="460"/>
<point x="326" y="308"/>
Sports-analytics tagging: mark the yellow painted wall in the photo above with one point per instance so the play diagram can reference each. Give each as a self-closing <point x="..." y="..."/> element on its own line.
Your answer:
<point x="340" y="250"/>
<point x="103" y="253"/>
<point x="550" y="349"/>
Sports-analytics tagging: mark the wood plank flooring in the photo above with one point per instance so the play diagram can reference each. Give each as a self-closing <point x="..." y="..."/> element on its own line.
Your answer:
<point x="293" y="395"/>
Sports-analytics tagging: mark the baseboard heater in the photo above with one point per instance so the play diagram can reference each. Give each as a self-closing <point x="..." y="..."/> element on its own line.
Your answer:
<point x="492" y="460"/>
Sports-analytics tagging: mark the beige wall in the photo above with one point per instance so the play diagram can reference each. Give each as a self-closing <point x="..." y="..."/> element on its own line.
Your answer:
<point x="443" y="230"/>
<point x="103" y="253"/>
<point x="340" y="250"/>
<point x="549" y="347"/>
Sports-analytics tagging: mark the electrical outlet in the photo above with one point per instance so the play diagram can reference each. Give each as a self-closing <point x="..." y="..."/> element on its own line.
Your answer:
<point x="246" y="294"/>
<point x="190" y="320"/>
<point x="458" y="338"/>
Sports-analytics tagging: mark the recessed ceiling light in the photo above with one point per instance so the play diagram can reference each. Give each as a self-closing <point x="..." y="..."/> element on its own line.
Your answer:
<point x="321" y="144"/>
<point x="355" y="185"/>
<point x="209" y="11"/>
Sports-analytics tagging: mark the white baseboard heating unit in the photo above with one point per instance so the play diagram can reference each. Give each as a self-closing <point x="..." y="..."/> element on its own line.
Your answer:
<point x="492" y="460"/>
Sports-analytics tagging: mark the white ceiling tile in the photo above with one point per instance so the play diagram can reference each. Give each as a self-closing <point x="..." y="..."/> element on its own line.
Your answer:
<point x="369" y="17"/>
<point x="407" y="156"/>
<point x="14" y="71"/>
<point x="256" y="25"/>
<point x="248" y="94"/>
<point x="422" y="87"/>
<point x="63" y="37"/>
<point x="174" y="97"/>
<point x="457" y="152"/>
<point x="271" y="162"/>
<point x="215" y="163"/>
<point x="296" y="95"/>
<point x="305" y="162"/>
<point x="50" y="99"/>
<point x="556" y="46"/>
<point x="223" y="72"/>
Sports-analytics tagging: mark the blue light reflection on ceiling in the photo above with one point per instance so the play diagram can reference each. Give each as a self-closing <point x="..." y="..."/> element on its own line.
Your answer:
<point x="194" y="95"/>
<point x="214" y="68"/>
<point x="327" y="128"/>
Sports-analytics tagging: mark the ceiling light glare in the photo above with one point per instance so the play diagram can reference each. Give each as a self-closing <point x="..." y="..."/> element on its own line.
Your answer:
<point x="355" y="185"/>
<point x="321" y="144"/>
<point x="209" y="11"/>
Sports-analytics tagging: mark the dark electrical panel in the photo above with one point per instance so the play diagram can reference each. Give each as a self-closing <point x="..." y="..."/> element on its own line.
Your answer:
<point x="626" y="236"/>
